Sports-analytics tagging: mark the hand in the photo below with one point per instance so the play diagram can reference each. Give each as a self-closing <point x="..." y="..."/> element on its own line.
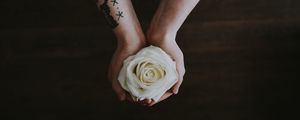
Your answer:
<point x="124" y="49"/>
<point x="169" y="45"/>
<point x="129" y="34"/>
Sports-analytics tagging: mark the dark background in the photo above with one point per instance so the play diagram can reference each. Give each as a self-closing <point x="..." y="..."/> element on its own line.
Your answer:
<point x="241" y="60"/>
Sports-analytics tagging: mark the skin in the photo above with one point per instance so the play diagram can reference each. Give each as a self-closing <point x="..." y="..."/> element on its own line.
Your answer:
<point x="162" y="32"/>
<point x="130" y="40"/>
<point x="167" y="20"/>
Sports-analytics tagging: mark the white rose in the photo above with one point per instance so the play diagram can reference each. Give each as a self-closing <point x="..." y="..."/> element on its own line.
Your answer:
<point x="148" y="74"/>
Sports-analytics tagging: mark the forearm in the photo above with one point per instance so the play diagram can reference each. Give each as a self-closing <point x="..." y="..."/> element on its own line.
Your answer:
<point x="170" y="16"/>
<point x="121" y="17"/>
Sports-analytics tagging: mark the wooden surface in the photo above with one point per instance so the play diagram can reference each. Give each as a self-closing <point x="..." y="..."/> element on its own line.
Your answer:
<point x="241" y="61"/>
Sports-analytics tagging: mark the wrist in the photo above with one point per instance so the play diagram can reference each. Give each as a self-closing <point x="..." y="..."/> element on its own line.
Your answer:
<point x="130" y="37"/>
<point x="130" y="43"/>
<point x="159" y="37"/>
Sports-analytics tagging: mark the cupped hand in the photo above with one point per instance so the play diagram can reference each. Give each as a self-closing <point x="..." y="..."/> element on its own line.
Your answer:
<point x="124" y="50"/>
<point x="172" y="48"/>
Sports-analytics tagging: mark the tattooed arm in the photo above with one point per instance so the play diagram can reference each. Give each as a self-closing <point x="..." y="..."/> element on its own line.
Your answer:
<point x="121" y="17"/>
<point x="167" y="20"/>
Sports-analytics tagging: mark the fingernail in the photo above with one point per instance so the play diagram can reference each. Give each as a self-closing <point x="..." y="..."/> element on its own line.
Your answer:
<point x="175" y="92"/>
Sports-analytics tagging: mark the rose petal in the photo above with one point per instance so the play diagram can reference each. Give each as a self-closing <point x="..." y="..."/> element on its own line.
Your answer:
<point x="148" y="74"/>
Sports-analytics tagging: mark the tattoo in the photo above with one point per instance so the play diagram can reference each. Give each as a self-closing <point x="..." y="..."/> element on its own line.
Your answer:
<point x="106" y="11"/>
<point x="114" y="2"/>
<point x="119" y="15"/>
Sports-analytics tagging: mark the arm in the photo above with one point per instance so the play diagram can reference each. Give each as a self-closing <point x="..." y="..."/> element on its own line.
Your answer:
<point x="167" y="20"/>
<point x="121" y="17"/>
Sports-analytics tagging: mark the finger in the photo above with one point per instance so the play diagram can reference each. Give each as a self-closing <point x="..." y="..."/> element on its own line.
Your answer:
<point x="175" y="88"/>
<point x="142" y="102"/>
<point x="121" y="93"/>
<point x="115" y="65"/>
<point x="145" y="102"/>
<point x="129" y="98"/>
<point x="165" y="96"/>
<point x="181" y="71"/>
<point x="113" y="73"/>
<point x="148" y="101"/>
<point x="178" y="56"/>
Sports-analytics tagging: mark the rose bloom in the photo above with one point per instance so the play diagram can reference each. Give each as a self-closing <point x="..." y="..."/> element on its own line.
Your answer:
<point x="148" y="74"/>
